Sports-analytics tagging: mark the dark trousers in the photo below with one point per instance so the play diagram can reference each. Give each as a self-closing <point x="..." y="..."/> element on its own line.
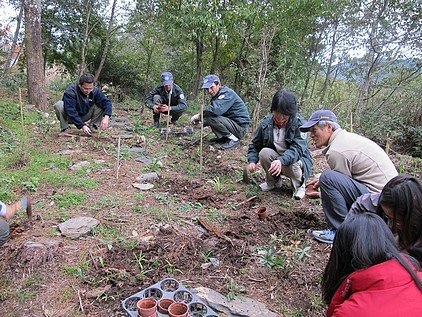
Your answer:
<point x="338" y="193"/>
<point x="175" y="115"/>
<point x="224" y="127"/>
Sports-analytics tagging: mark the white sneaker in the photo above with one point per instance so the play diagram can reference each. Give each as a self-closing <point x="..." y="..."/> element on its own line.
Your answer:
<point x="326" y="236"/>
<point x="300" y="192"/>
<point x="266" y="188"/>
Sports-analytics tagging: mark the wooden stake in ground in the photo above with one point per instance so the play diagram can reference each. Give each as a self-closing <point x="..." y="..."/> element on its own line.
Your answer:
<point x="118" y="159"/>
<point x="168" y="113"/>
<point x="202" y="131"/>
<point x="21" y="106"/>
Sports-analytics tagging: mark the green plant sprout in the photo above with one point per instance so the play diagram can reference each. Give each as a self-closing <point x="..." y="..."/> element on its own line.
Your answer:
<point x="302" y="253"/>
<point x="217" y="183"/>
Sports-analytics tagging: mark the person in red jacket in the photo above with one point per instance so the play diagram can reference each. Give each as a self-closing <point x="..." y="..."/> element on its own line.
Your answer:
<point x="366" y="274"/>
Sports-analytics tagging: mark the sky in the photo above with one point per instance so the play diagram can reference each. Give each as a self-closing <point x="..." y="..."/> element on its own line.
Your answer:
<point x="7" y="14"/>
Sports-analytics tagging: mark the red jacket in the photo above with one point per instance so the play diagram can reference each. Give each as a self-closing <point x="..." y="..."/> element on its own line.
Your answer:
<point x="383" y="290"/>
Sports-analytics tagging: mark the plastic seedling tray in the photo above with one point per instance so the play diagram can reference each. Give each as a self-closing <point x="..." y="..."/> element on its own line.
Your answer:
<point x="169" y="288"/>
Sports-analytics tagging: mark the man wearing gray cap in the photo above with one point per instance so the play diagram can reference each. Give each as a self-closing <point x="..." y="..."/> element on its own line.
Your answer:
<point x="158" y="100"/>
<point x="357" y="166"/>
<point x="227" y="114"/>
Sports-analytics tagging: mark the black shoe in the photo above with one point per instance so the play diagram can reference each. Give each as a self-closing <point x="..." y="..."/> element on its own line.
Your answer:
<point x="64" y="130"/>
<point x="219" y="140"/>
<point x="156" y="124"/>
<point x="230" y="144"/>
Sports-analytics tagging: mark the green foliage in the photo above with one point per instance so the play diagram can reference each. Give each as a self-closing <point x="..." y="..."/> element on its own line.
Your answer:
<point x="303" y="253"/>
<point x="217" y="183"/>
<point x="31" y="185"/>
<point x="233" y="289"/>
<point x="141" y="262"/>
<point x="69" y="199"/>
<point x="171" y="268"/>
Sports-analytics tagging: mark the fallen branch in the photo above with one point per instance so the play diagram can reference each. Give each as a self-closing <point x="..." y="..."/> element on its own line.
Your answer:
<point x="80" y="301"/>
<point x="246" y="201"/>
<point x="213" y="229"/>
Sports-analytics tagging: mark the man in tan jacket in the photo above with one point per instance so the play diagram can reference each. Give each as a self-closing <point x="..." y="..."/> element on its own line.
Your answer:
<point x="357" y="166"/>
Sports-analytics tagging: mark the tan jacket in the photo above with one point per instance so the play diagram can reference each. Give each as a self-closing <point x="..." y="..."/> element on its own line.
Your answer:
<point x="360" y="158"/>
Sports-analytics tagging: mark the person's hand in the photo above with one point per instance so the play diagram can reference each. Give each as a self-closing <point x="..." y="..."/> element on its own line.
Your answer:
<point x="196" y="118"/>
<point x="164" y="108"/>
<point x="251" y="167"/>
<point x="313" y="183"/>
<point x="311" y="191"/>
<point x="105" y="122"/>
<point x="275" y="168"/>
<point x="156" y="108"/>
<point x="86" y="130"/>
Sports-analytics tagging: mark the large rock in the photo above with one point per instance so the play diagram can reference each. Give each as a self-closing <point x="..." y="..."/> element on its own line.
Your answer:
<point x="76" y="227"/>
<point x="239" y="307"/>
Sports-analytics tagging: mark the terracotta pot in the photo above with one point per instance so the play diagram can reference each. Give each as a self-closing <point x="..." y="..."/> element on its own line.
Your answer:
<point x="262" y="213"/>
<point x="147" y="307"/>
<point x="178" y="309"/>
<point x="311" y="193"/>
<point x="163" y="305"/>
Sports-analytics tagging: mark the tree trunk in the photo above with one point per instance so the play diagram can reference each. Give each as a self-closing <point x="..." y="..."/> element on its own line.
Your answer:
<point x="33" y="51"/>
<point x="199" y="52"/>
<point x="15" y="50"/>
<point x="107" y="43"/>
<point x="82" y="65"/>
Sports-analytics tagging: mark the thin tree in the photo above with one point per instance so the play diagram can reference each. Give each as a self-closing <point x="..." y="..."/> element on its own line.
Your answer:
<point x="13" y="47"/>
<point x="33" y="51"/>
<point x="107" y="43"/>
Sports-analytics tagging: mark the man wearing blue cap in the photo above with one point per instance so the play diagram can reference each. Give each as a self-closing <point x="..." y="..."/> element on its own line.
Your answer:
<point x="158" y="100"/>
<point x="357" y="166"/>
<point x="227" y="114"/>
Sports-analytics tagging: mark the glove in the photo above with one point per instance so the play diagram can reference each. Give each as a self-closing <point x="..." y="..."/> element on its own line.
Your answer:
<point x="195" y="119"/>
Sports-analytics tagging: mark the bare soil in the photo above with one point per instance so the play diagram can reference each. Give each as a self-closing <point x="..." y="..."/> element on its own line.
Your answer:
<point x="145" y="236"/>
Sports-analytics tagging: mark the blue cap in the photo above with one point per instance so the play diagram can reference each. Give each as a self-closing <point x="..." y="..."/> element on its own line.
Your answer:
<point x="209" y="80"/>
<point x="167" y="78"/>
<point x="316" y="117"/>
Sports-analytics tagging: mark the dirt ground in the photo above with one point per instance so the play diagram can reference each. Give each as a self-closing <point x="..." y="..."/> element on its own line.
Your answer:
<point x="145" y="236"/>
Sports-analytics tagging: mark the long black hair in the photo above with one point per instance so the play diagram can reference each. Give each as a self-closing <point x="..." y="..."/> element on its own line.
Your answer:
<point x="361" y="241"/>
<point x="403" y="196"/>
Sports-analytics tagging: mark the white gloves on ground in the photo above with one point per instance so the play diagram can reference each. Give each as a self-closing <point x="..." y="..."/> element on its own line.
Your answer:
<point x="196" y="118"/>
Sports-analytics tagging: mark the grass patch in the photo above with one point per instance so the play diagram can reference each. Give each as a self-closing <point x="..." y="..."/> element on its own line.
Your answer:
<point x="68" y="199"/>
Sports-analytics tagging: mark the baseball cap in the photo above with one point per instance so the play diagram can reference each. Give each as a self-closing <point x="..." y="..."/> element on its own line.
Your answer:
<point x="167" y="78"/>
<point x="209" y="81"/>
<point x="316" y="117"/>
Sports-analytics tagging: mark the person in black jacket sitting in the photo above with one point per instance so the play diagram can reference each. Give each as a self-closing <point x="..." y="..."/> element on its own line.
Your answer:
<point x="159" y="98"/>
<point x="85" y="106"/>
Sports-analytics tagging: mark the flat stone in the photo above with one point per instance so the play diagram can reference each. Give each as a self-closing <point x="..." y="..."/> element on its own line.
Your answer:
<point x="239" y="307"/>
<point x="80" y="165"/>
<point x="136" y="149"/>
<point x="144" y="159"/>
<point x="147" y="177"/>
<point x="70" y="152"/>
<point x="146" y="186"/>
<point x="77" y="227"/>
